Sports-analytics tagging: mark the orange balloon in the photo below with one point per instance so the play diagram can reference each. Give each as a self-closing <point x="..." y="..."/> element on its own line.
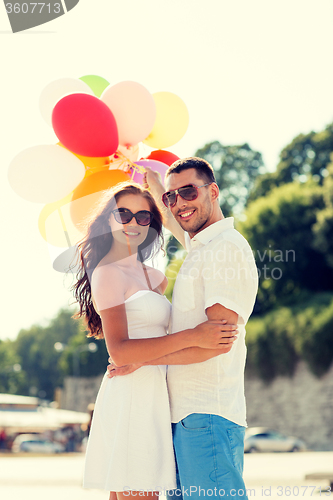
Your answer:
<point x="91" y="170"/>
<point x="88" y="193"/>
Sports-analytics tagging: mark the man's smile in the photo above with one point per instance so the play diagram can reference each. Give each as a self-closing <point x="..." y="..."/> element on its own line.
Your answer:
<point x="186" y="215"/>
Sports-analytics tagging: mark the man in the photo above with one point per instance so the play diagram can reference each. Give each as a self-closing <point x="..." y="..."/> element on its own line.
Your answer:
<point x="218" y="280"/>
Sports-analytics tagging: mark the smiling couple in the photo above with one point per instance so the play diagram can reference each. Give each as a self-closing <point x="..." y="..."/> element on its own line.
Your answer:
<point x="170" y="413"/>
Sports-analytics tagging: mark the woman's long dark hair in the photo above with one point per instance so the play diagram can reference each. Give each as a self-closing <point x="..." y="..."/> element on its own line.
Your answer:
<point x="97" y="243"/>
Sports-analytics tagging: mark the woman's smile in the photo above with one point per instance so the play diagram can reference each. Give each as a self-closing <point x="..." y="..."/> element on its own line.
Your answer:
<point x="131" y="233"/>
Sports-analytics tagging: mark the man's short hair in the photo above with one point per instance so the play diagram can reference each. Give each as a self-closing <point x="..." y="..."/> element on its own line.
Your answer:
<point x="203" y="168"/>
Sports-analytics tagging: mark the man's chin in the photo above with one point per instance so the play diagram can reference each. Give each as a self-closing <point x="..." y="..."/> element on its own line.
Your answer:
<point x="187" y="226"/>
<point x="191" y="227"/>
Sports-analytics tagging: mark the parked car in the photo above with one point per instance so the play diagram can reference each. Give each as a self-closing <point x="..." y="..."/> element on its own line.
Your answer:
<point x="36" y="444"/>
<point x="264" y="439"/>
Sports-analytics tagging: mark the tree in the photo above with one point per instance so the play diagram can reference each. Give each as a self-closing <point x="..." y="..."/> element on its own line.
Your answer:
<point x="236" y="168"/>
<point x="11" y="375"/>
<point x="38" y="357"/>
<point x="90" y="363"/>
<point x="323" y="229"/>
<point x="306" y="157"/>
<point x="279" y="228"/>
<point x="276" y="341"/>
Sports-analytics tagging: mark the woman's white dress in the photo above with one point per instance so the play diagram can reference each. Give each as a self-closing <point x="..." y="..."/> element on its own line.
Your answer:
<point x="130" y="442"/>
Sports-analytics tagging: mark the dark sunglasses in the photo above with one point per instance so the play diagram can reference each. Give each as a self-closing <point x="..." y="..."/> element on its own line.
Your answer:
<point x="124" y="216"/>
<point x="188" y="193"/>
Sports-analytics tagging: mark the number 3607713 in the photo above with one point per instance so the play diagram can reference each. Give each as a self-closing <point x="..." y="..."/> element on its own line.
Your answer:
<point x="32" y="8"/>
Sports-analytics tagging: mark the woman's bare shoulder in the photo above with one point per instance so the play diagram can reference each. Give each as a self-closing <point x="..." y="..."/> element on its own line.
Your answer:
<point x="107" y="270"/>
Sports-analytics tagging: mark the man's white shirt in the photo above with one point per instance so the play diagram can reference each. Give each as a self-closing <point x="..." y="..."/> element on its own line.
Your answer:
<point x="219" y="269"/>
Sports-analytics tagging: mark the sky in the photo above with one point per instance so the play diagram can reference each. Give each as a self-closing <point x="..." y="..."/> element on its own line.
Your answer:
<point x="256" y="71"/>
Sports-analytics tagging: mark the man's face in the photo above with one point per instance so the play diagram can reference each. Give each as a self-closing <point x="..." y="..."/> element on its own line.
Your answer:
<point x="192" y="216"/>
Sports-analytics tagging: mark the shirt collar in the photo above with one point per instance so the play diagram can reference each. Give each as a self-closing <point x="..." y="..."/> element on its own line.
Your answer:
<point x="209" y="233"/>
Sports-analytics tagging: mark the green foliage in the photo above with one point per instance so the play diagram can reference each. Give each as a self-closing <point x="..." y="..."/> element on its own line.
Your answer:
<point x="172" y="247"/>
<point x="236" y="168"/>
<point x="38" y="357"/>
<point x="323" y="229"/>
<point x="43" y="368"/>
<point x="90" y="363"/>
<point x="279" y="228"/>
<point x="10" y="378"/>
<point x="277" y="340"/>
<point x="306" y="157"/>
<point x="171" y="273"/>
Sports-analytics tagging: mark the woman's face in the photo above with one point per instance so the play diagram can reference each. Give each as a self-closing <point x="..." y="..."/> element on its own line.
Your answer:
<point x="131" y="234"/>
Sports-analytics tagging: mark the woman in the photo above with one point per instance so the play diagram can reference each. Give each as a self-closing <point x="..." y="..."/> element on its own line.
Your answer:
<point x="130" y="444"/>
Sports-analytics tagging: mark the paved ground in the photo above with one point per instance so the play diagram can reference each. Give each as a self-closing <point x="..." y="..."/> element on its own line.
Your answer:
<point x="272" y="475"/>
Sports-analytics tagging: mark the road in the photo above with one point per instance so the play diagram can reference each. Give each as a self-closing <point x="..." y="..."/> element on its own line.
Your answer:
<point x="273" y="475"/>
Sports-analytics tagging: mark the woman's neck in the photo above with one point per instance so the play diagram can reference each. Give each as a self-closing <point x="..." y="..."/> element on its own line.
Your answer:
<point x="122" y="254"/>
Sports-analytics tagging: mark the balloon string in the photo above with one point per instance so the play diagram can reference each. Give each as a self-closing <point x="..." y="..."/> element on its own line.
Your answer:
<point x="135" y="168"/>
<point x="64" y="227"/>
<point x="128" y="245"/>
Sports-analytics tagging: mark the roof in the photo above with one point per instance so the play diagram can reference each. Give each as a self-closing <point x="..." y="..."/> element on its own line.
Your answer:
<point x="12" y="399"/>
<point x="15" y="417"/>
<point x="41" y="419"/>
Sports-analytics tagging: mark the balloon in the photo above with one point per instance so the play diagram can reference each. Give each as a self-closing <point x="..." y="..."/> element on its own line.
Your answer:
<point x="88" y="193"/>
<point x="131" y="152"/>
<point x="85" y="125"/>
<point x="55" y="224"/>
<point x="157" y="166"/>
<point x="44" y="174"/>
<point x="163" y="156"/>
<point x="124" y="157"/>
<point x="96" y="83"/>
<point x="92" y="164"/>
<point x="55" y="91"/>
<point x="66" y="261"/>
<point x="134" y="110"/>
<point x="171" y="121"/>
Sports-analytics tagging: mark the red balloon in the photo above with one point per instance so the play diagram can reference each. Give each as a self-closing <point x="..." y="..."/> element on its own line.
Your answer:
<point x="163" y="156"/>
<point x="85" y="125"/>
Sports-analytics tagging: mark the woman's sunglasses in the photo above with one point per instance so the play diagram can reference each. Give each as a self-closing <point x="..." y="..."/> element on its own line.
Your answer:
<point x="188" y="193"/>
<point x="124" y="216"/>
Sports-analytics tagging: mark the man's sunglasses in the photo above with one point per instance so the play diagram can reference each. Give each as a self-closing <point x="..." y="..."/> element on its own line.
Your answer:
<point x="188" y="193"/>
<point x="124" y="216"/>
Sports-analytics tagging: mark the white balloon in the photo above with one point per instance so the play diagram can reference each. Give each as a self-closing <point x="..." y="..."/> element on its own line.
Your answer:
<point x="64" y="261"/>
<point x="58" y="89"/>
<point x="44" y="174"/>
<point x="134" y="110"/>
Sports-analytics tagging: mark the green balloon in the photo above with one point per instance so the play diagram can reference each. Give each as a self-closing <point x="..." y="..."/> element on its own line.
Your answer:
<point x="96" y="83"/>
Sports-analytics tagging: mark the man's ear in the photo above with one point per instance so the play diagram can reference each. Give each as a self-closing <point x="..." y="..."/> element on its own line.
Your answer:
<point x="214" y="189"/>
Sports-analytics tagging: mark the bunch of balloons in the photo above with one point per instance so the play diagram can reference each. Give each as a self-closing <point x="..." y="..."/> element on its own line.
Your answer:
<point x="100" y="129"/>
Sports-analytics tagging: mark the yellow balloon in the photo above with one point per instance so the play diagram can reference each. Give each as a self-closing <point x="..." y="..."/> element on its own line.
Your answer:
<point x="171" y="122"/>
<point x="56" y="226"/>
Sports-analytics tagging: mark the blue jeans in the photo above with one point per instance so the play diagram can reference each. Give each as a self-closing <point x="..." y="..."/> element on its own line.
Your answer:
<point x="209" y="453"/>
